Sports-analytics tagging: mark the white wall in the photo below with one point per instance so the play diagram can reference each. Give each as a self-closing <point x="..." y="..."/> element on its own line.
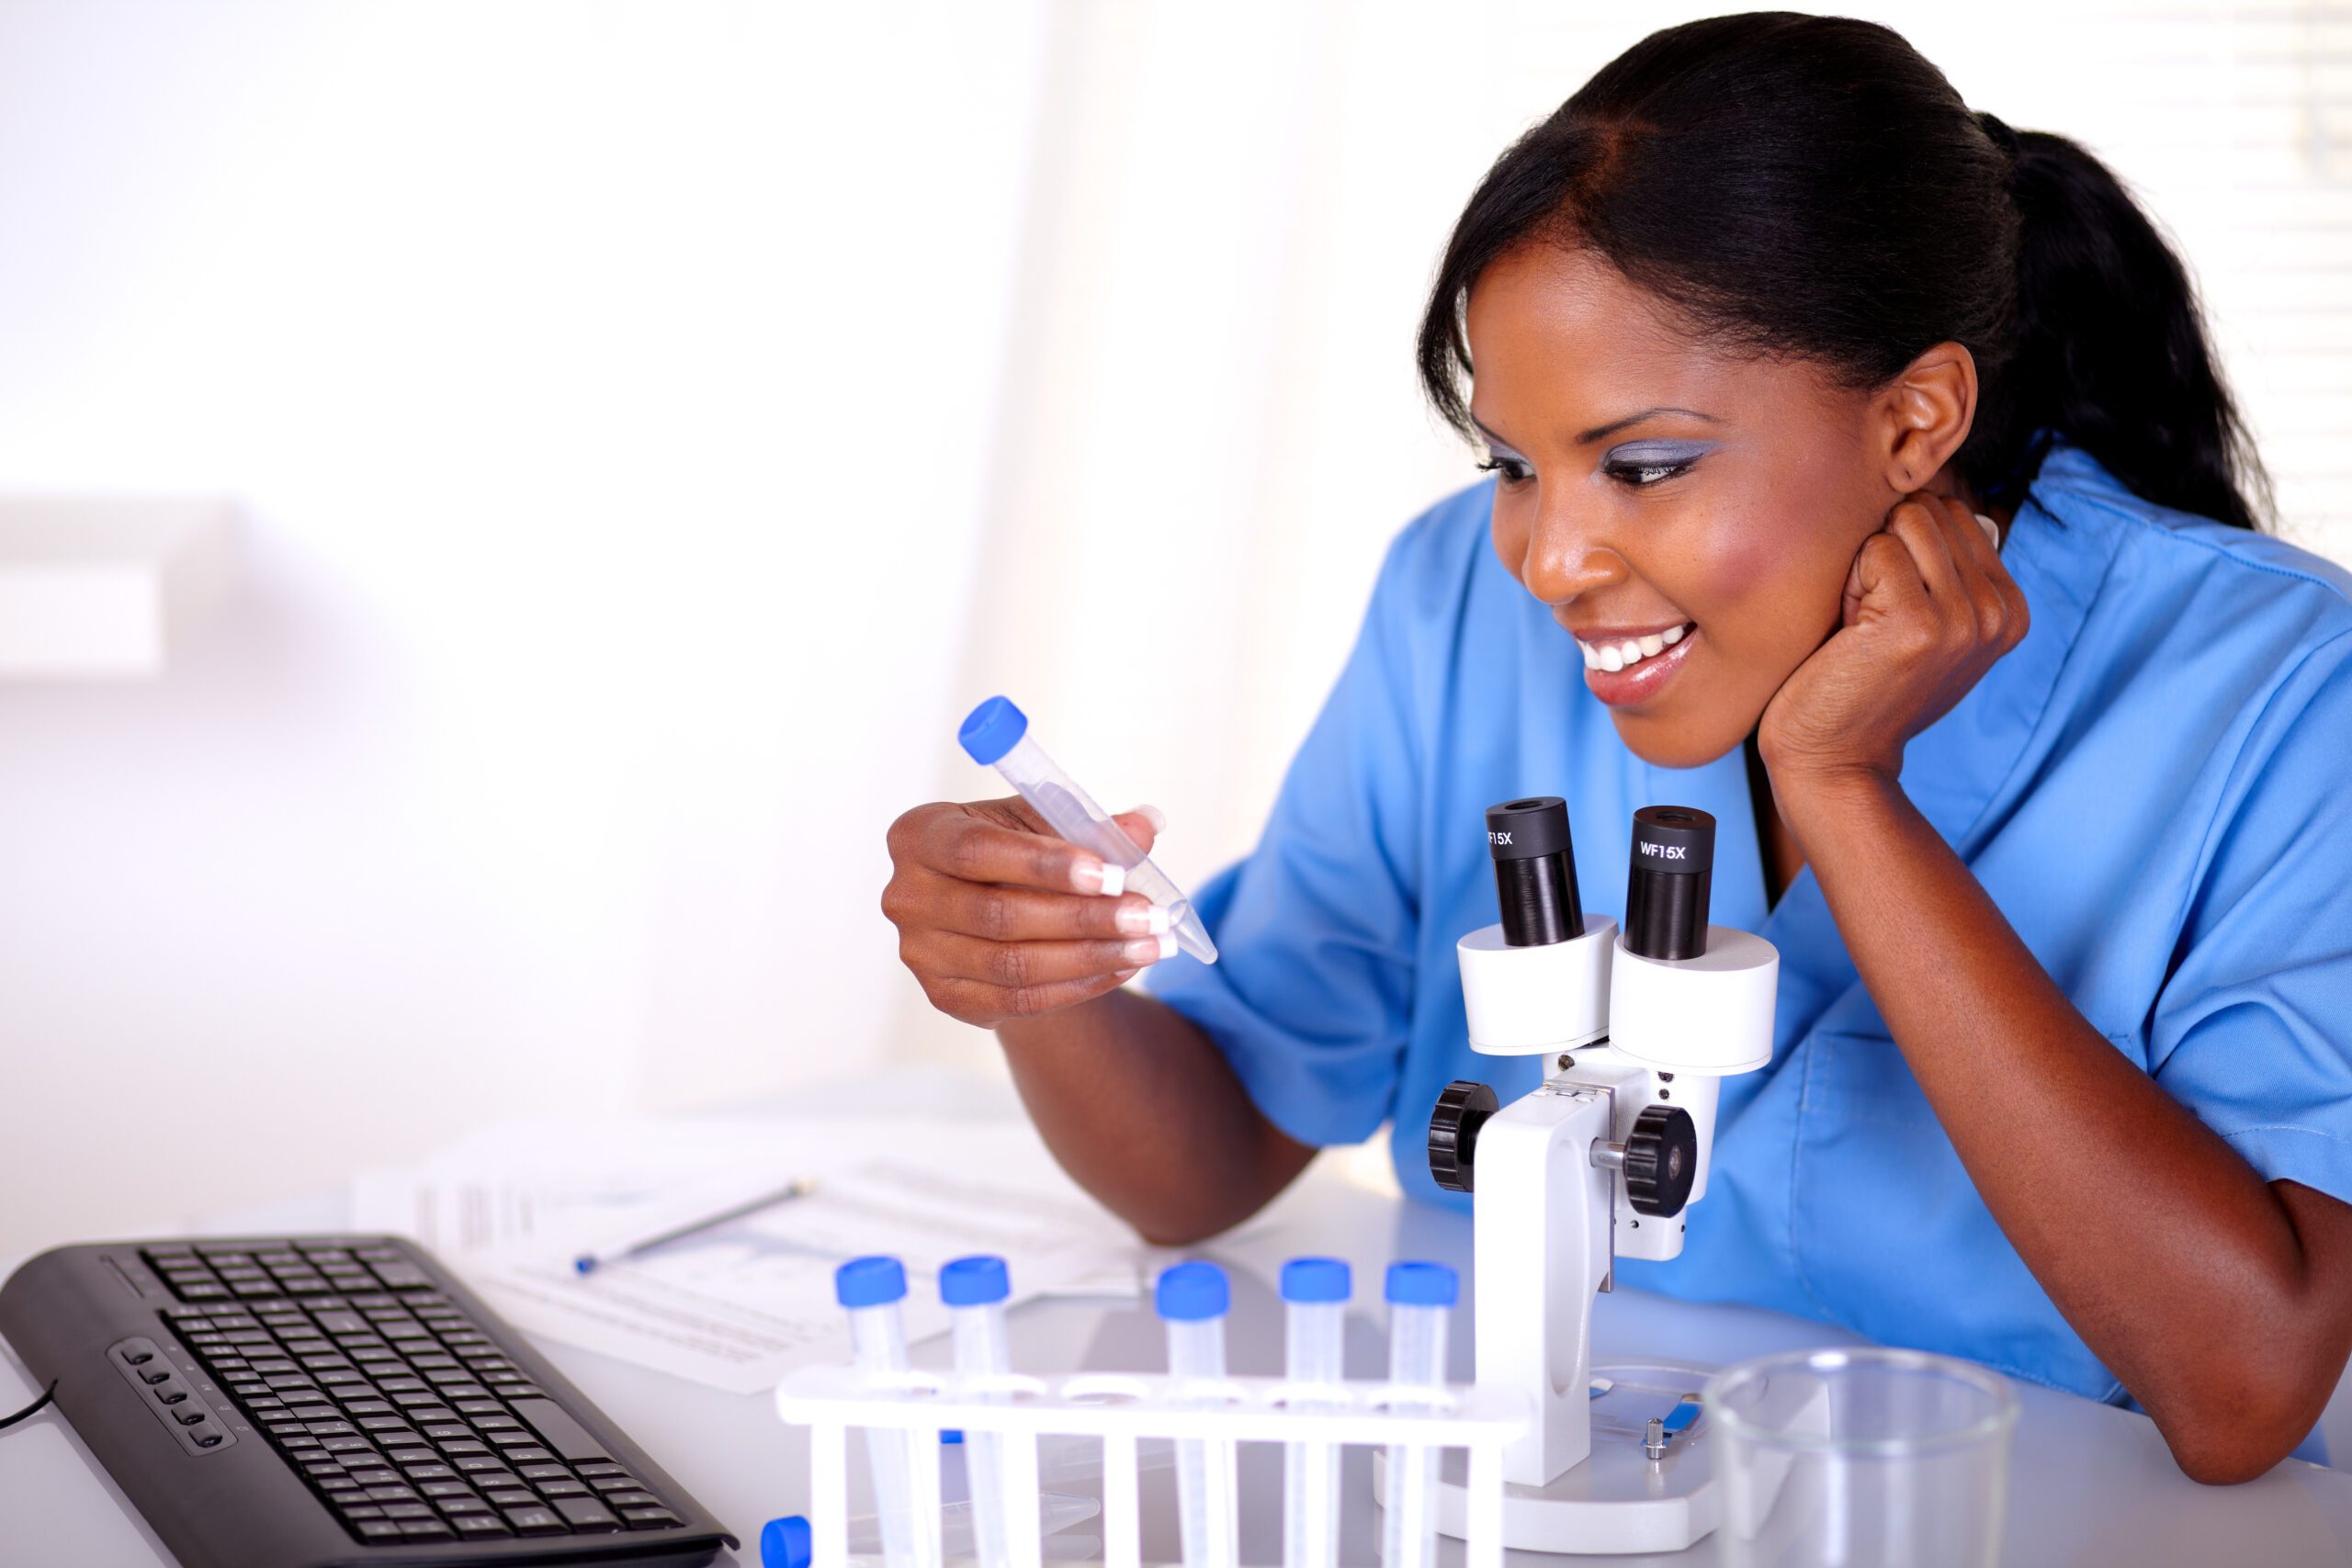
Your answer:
<point x="610" y="391"/>
<point x="656" y="421"/>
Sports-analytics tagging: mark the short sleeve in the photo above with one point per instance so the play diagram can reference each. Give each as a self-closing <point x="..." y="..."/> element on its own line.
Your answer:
<point x="1311" y="996"/>
<point x="2252" y="1029"/>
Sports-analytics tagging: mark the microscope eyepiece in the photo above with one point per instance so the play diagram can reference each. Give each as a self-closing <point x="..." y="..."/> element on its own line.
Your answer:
<point x="1669" y="873"/>
<point x="1535" y="871"/>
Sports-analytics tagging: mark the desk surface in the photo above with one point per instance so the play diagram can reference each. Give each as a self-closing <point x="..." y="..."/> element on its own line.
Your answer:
<point x="2089" y="1484"/>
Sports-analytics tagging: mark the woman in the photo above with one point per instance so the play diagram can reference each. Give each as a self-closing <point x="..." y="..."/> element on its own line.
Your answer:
<point x="1875" y="457"/>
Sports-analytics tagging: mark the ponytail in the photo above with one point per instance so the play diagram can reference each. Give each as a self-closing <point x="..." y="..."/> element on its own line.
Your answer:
<point x="2108" y="348"/>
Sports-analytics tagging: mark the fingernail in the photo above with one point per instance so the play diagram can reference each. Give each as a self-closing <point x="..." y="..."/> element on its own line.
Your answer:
<point x="1124" y="974"/>
<point x="1100" y="877"/>
<point x="1992" y="530"/>
<point x="1149" y="949"/>
<point x="1143" y="920"/>
<point x="1156" y="817"/>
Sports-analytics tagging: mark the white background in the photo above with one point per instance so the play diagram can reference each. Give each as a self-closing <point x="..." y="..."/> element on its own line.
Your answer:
<point x="652" y="425"/>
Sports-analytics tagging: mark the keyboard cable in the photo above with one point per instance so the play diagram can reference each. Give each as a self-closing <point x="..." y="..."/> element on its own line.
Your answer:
<point x="33" y="1409"/>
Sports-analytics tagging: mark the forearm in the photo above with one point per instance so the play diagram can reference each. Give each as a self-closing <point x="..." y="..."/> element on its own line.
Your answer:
<point x="1145" y="1113"/>
<point x="2180" y="1267"/>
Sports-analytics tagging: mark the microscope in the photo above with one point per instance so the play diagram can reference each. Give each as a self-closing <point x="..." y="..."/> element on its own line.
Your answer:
<point x="1638" y="1026"/>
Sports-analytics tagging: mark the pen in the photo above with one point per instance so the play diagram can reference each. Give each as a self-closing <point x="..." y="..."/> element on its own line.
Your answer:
<point x="589" y="1262"/>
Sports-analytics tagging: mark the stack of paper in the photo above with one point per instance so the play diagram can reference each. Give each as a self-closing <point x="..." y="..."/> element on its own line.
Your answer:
<point x="737" y="1307"/>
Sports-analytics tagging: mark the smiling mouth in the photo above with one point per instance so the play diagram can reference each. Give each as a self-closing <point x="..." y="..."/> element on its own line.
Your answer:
<point x="1623" y="653"/>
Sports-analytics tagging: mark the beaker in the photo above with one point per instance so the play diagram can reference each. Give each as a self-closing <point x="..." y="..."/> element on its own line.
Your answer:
<point x="1859" y="1457"/>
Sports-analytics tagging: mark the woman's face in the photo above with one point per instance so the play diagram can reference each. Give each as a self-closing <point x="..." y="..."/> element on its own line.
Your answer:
<point x="1650" y="488"/>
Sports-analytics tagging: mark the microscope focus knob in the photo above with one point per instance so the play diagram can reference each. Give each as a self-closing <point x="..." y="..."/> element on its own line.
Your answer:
<point x="1661" y="1160"/>
<point x="1461" y="1111"/>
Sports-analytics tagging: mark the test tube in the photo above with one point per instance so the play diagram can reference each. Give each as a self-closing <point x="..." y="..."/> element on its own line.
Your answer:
<point x="1315" y="1291"/>
<point x="996" y="734"/>
<point x="1193" y="1298"/>
<point x="1003" y="1467"/>
<point x="1420" y="1299"/>
<point x="871" y="1289"/>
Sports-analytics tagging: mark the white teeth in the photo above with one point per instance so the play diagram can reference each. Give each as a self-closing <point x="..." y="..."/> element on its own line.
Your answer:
<point x="1615" y="655"/>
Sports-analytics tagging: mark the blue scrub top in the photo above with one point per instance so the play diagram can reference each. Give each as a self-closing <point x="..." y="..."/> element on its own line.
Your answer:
<point x="2152" y="787"/>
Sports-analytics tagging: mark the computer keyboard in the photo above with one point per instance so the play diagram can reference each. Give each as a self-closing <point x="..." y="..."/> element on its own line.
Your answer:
<point x="298" y="1402"/>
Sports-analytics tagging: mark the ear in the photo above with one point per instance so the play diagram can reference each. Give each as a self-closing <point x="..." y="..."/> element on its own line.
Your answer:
<point x="1922" y="416"/>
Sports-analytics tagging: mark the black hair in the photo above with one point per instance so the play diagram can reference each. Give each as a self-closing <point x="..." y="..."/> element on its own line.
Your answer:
<point x="1812" y="187"/>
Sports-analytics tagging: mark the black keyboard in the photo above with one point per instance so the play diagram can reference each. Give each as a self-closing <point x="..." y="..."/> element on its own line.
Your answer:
<point x="294" y="1403"/>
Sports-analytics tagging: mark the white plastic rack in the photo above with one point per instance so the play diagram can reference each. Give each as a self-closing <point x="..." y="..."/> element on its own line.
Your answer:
<point x="1121" y="1408"/>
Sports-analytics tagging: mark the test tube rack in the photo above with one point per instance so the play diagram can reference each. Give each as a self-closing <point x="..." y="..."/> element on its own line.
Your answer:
<point x="1121" y="1408"/>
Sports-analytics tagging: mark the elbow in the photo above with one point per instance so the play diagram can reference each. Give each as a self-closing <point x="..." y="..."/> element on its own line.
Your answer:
<point x="2226" y="1461"/>
<point x="1163" y="1234"/>
<point x="2229" y="1437"/>
<point x="1174" y="1227"/>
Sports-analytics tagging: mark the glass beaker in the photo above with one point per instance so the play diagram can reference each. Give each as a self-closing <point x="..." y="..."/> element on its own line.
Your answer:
<point x="1860" y="1457"/>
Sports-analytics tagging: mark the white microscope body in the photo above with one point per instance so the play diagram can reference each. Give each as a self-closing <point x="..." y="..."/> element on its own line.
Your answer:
<point x="1639" y="1024"/>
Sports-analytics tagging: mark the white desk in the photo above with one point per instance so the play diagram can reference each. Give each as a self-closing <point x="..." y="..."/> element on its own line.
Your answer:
<point x="2090" y="1484"/>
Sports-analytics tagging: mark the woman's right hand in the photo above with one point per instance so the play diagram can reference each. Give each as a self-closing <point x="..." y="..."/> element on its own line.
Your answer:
<point x="999" y="916"/>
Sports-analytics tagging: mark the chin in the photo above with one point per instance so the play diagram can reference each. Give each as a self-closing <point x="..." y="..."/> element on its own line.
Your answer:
<point x="1666" y="743"/>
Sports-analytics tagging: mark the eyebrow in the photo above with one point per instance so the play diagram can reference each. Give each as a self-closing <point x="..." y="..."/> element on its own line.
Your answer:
<point x="1598" y="431"/>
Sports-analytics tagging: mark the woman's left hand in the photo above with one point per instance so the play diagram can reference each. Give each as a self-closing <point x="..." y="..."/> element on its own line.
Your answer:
<point x="1928" y="607"/>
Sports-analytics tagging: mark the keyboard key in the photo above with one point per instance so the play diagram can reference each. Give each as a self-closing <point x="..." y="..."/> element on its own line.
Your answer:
<point x="402" y="1277"/>
<point x="587" y="1514"/>
<point x="649" y="1519"/>
<point x="633" y="1499"/>
<point x="544" y="1472"/>
<point x="425" y="1530"/>
<point x="564" y="1435"/>
<point x="479" y="1526"/>
<point x="535" y="1521"/>
<point x="377" y="1530"/>
<point x="566" y="1489"/>
<point x="457" y="1506"/>
<point x="511" y="1497"/>
<point x="615" y="1483"/>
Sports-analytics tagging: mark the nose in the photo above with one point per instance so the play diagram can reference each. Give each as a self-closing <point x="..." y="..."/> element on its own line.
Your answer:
<point x="1564" y="557"/>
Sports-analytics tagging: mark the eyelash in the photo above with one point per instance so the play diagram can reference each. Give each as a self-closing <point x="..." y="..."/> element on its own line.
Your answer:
<point x="1618" y="471"/>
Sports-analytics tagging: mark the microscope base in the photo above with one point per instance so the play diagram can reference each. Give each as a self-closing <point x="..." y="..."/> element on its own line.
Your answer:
<point x="1618" y="1500"/>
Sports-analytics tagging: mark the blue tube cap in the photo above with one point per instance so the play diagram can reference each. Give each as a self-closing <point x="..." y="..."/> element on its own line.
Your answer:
<point x="991" y="729"/>
<point x="870" y="1282"/>
<point x="786" y="1543"/>
<point x="1192" y="1291"/>
<point x="974" y="1282"/>
<point x="1315" y="1280"/>
<point x="1422" y="1285"/>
